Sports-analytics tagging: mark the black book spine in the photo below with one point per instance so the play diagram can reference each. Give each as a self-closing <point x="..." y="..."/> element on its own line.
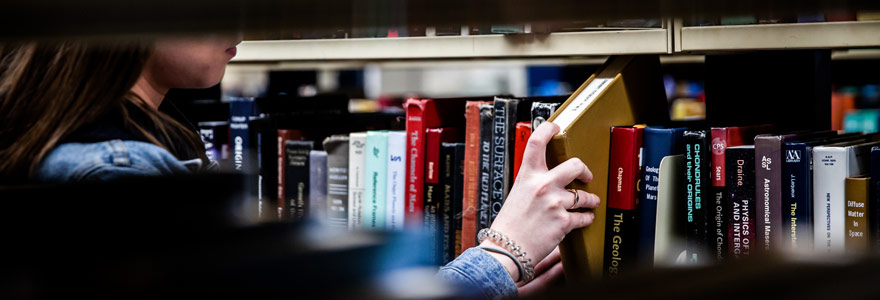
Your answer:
<point x="741" y="190"/>
<point x="262" y="137"/>
<point x="457" y="198"/>
<point x="433" y="208"/>
<point x="337" y="180"/>
<point x="541" y="111"/>
<point x="504" y="113"/>
<point x="696" y="181"/>
<point x="485" y="207"/>
<point x="452" y="180"/>
<point x="797" y="199"/>
<point x="296" y="185"/>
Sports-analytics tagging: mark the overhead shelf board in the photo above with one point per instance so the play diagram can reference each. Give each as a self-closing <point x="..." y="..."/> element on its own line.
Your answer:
<point x="641" y="41"/>
<point x="780" y="36"/>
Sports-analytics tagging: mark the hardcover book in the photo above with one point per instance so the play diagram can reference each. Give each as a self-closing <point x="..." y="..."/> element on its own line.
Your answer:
<point x="857" y="215"/>
<point x="282" y="207"/>
<point x="625" y="170"/>
<point x="523" y="132"/>
<point x="296" y="182"/>
<point x="337" y="180"/>
<point x="741" y="192"/>
<point x="723" y="137"/>
<point x="485" y="212"/>
<point x="768" y="187"/>
<point x="696" y="183"/>
<point x="422" y="114"/>
<point x="376" y="166"/>
<point x="505" y="116"/>
<point x="603" y="101"/>
<point x="394" y="213"/>
<point x="657" y="143"/>
<point x="832" y="164"/>
<point x="452" y="156"/>
<point x="215" y="135"/>
<point x="318" y="185"/>
<point x="357" y="178"/>
<point x="433" y="187"/>
<point x="241" y="111"/>
<point x="797" y="172"/>
<point x="670" y="241"/>
<point x="541" y="111"/>
<point x="471" y="200"/>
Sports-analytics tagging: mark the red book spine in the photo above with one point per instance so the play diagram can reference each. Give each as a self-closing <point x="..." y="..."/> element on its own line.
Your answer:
<point x="415" y="162"/>
<point x="624" y="167"/>
<point x="284" y="135"/>
<point x="523" y="132"/>
<point x="471" y="175"/>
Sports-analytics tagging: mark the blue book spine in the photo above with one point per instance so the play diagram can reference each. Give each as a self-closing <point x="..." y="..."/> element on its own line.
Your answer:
<point x="658" y="143"/>
<point x="797" y="198"/>
<point x="874" y="200"/>
<point x="376" y="167"/>
<point x="241" y="110"/>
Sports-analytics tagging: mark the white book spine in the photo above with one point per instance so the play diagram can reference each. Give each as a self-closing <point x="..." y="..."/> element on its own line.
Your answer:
<point x="356" y="145"/>
<point x="830" y="169"/>
<point x="396" y="179"/>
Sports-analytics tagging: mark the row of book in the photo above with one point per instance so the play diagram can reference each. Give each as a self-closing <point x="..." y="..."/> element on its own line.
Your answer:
<point x="706" y="196"/>
<point x="447" y="173"/>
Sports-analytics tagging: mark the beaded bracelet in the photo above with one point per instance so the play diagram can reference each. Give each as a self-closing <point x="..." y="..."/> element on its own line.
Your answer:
<point x="527" y="273"/>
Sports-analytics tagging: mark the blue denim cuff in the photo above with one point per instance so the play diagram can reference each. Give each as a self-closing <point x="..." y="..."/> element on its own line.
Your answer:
<point x="477" y="270"/>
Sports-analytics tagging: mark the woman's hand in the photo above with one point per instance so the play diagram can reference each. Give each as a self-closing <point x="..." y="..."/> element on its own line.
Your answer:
<point x="536" y="214"/>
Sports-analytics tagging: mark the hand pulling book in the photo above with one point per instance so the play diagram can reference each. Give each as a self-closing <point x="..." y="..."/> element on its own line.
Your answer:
<point x="832" y="164"/>
<point x="296" y="181"/>
<point x="696" y="187"/>
<point x="625" y="170"/>
<point x="376" y="166"/>
<point x="451" y="158"/>
<point x="433" y="187"/>
<point x="602" y="102"/>
<point x="422" y="114"/>
<point x="357" y="180"/>
<point x="318" y="185"/>
<point x="337" y="180"/>
<point x="657" y="143"/>
<point x="857" y="215"/>
<point x="395" y="202"/>
<point x="471" y="199"/>
<point x="741" y="192"/>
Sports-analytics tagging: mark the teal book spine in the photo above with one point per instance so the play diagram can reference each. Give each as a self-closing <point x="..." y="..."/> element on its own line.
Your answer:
<point x="376" y="167"/>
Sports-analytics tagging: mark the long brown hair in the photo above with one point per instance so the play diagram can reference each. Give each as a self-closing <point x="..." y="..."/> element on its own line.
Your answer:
<point x="50" y="89"/>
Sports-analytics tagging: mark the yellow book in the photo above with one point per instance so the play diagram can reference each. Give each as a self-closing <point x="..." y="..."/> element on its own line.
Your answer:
<point x="626" y="90"/>
<point x="856" y="196"/>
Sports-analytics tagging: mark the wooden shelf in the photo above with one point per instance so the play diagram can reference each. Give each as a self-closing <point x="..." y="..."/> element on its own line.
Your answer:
<point x="778" y="36"/>
<point x="641" y="41"/>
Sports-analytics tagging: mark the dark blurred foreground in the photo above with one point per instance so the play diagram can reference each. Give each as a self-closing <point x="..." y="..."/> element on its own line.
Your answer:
<point x="193" y="237"/>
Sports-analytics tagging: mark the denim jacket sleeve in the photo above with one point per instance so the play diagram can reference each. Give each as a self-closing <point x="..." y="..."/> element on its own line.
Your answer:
<point x="477" y="270"/>
<point x="103" y="161"/>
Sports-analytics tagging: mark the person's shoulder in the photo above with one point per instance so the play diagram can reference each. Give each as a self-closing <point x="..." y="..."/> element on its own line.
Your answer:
<point x="108" y="160"/>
